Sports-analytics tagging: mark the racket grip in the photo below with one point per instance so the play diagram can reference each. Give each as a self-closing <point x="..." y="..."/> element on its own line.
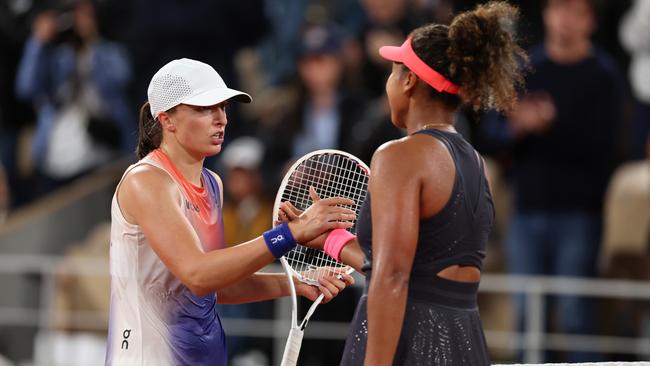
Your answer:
<point x="292" y="349"/>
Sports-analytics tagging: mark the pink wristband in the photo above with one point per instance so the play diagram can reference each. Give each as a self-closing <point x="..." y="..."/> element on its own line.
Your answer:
<point x="335" y="242"/>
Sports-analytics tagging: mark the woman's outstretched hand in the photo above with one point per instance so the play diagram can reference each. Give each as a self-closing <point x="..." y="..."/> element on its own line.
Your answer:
<point x="330" y="285"/>
<point x="314" y="223"/>
<point x="289" y="212"/>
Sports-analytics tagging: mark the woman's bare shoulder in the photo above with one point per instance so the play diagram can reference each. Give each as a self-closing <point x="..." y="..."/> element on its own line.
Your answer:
<point x="410" y="152"/>
<point x="142" y="185"/>
<point x="145" y="176"/>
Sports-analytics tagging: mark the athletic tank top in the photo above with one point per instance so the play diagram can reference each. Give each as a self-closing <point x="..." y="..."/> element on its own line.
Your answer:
<point x="458" y="234"/>
<point x="155" y="319"/>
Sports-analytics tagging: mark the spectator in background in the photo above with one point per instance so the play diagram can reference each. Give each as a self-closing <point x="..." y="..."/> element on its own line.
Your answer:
<point x="635" y="37"/>
<point x="14" y="114"/>
<point x="561" y="138"/>
<point x="277" y="50"/>
<point x="246" y="210"/>
<point x="77" y="81"/>
<point x="326" y="112"/>
<point x="387" y="22"/>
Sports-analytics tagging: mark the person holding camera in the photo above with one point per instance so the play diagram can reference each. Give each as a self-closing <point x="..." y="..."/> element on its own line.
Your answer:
<point x="77" y="82"/>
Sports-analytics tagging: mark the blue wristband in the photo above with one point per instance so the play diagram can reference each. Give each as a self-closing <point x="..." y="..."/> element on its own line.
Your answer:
<point x="279" y="240"/>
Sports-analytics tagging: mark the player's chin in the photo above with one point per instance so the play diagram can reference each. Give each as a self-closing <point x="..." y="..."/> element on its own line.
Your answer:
<point x="213" y="149"/>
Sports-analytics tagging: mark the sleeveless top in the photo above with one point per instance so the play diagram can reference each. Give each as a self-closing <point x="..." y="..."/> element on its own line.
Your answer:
<point x="458" y="234"/>
<point x="155" y="319"/>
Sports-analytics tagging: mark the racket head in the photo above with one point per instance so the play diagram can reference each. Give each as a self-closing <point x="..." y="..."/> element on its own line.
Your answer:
<point x="333" y="173"/>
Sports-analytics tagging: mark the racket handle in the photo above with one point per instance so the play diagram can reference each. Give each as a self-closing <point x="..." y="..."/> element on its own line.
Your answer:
<point x="292" y="349"/>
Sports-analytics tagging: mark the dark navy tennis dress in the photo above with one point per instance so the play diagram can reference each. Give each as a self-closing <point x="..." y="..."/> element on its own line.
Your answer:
<point x="441" y="323"/>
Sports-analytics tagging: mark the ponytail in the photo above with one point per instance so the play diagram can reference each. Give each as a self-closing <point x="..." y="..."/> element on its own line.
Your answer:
<point x="478" y="52"/>
<point x="150" y="132"/>
<point x="485" y="57"/>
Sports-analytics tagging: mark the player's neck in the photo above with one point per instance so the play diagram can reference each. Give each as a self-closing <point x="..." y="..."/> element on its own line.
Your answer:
<point x="189" y="166"/>
<point x="429" y="114"/>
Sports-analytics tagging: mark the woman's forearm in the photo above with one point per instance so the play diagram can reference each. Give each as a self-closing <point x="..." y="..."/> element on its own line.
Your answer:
<point x="353" y="256"/>
<point x="256" y="287"/>
<point x="219" y="269"/>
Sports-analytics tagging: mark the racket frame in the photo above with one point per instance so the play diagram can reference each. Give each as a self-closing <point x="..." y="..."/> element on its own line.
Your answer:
<point x="296" y="333"/>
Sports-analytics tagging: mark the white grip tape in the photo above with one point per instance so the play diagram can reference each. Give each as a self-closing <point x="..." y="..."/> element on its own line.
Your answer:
<point x="292" y="349"/>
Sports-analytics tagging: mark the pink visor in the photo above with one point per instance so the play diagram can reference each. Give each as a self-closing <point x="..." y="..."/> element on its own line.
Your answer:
<point x="405" y="54"/>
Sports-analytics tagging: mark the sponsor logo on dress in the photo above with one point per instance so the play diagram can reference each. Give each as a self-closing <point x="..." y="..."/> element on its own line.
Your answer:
<point x="125" y="336"/>
<point x="190" y="206"/>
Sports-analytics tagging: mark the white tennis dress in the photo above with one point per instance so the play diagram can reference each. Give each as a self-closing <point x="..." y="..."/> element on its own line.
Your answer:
<point x="154" y="318"/>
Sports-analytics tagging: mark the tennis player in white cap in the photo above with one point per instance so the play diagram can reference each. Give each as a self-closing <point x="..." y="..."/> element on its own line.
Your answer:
<point x="168" y="266"/>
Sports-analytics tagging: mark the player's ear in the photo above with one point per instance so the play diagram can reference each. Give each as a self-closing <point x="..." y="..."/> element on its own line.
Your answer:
<point x="166" y="122"/>
<point x="409" y="82"/>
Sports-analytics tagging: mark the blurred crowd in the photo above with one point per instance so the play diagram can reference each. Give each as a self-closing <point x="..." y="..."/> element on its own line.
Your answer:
<point x="569" y="165"/>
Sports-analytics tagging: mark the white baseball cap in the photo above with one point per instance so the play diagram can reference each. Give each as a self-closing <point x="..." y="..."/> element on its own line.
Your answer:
<point x="186" y="81"/>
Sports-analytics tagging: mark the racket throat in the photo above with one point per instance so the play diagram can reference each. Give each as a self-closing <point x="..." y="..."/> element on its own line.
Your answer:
<point x="303" y="325"/>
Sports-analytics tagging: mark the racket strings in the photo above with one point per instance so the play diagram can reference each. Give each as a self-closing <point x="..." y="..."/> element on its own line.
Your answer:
<point x="334" y="176"/>
<point x="311" y="264"/>
<point x="331" y="175"/>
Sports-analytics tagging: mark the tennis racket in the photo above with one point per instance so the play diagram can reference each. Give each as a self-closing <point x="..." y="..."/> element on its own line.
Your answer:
<point x="332" y="173"/>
